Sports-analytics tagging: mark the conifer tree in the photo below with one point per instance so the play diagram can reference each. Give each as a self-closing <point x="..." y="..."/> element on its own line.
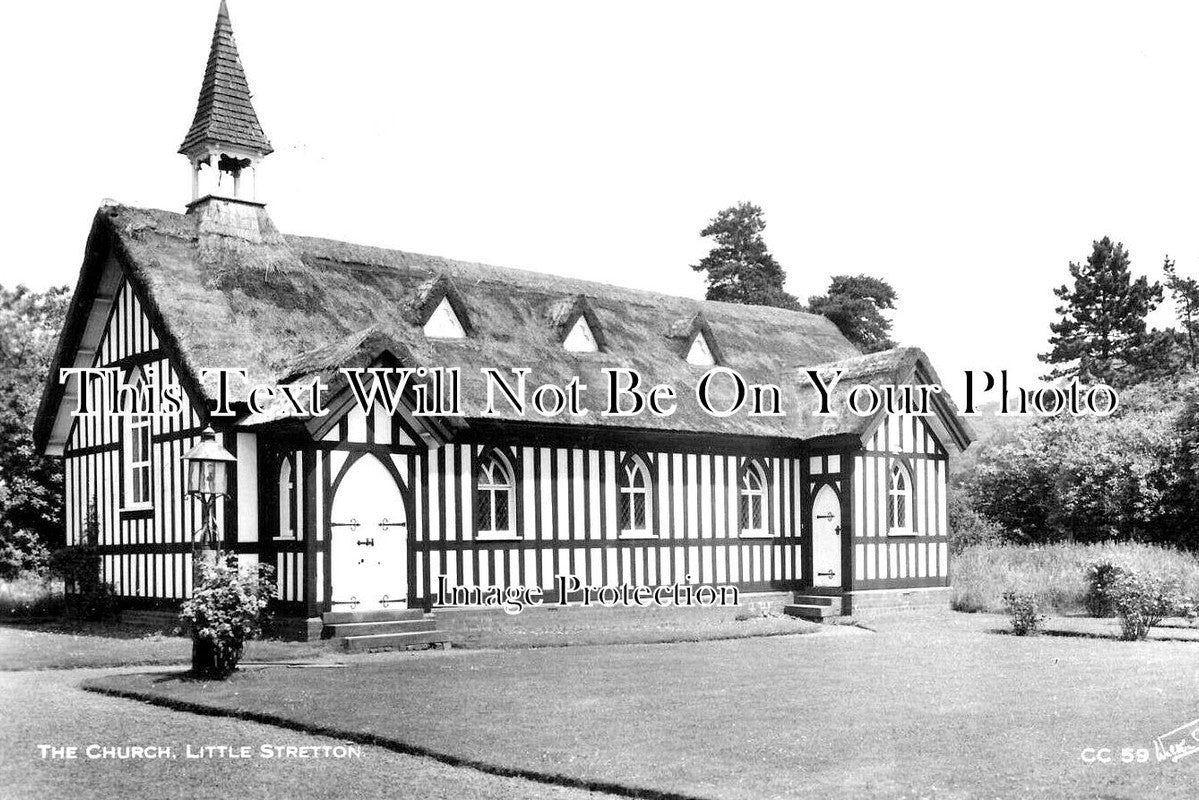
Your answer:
<point x="1185" y="294"/>
<point x="1101" y="334"/>
<point x="855" y="304"/>
<point x="740" y="268"/>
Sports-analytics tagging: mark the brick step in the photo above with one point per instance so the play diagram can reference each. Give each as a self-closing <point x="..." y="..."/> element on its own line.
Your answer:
<point x="818" y="600"/>
<point x="395" y="641"/>
<point x="372" y="615"/>
<point x="811" y="612"/>
<point x="340" y="630"/>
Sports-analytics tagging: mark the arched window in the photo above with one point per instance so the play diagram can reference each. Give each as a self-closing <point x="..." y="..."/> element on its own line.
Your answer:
<point x="496" y="496"/>
<point x="287" y="500"/>
<point x="899" y="499"/>
<point x="136" y="455"/>
<point x="753" y="500"/>
<point x="633" y="504"/>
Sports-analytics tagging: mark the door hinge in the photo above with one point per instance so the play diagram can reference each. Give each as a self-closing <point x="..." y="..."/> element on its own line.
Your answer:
<point x="828" y="574"/>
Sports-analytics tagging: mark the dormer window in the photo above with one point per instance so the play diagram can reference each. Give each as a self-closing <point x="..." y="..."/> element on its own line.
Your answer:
<point x="580" y="339"/>
<point x="700" y="354"/>
<point x="576" y="326"/>
<point x="694" y="342"/>
<point x="443" y="323"/>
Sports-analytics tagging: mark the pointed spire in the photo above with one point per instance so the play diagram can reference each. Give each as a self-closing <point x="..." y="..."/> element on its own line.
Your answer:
<point x="224" y="114"/>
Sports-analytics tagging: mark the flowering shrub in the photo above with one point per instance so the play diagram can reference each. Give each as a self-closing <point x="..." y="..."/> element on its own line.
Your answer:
<point x="1101" y="575"/>
<point x="1143" y="600"/>
<point x="1026" y="614"/>
<point x="224" y="612"/>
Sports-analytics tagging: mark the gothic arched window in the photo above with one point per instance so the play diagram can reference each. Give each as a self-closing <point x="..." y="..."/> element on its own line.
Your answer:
<point x="899" y="499"/>
<point x="496" y="496"/>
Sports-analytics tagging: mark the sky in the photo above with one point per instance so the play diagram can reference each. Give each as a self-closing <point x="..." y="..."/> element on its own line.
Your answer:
<point x="964" y="152"/>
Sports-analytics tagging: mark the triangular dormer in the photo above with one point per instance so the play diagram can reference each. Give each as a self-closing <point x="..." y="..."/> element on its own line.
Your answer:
<point x="700" y="354"/>
<point x="580" y="339"/>
<point x="443" y="323"/>
<point x="441" y="312"/>
<point x="695" y="341"/>
<point x="577" y="326"/>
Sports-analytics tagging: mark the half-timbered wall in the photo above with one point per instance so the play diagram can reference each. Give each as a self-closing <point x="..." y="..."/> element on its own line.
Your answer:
<point x="146" y="552"/>
<point x="883" y="558"/>
<point x="566" y="522"/>
<point x="565" y="515"/>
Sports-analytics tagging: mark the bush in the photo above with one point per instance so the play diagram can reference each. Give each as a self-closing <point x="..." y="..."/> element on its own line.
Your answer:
<point x="967" y="527"/>
<point x="29" y="596"/>
<point x="1101" y="575"/>
<point x="1024" y="610"/>
<point x="21" y="552"/>
<point x="88" y="596"/>
<point x="224" y="612"/>
<point x="1057" y="573"/>
<point x="1143" y="600"/>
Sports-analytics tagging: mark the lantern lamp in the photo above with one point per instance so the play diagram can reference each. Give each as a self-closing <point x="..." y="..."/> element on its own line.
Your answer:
<point x="208" y="466"/>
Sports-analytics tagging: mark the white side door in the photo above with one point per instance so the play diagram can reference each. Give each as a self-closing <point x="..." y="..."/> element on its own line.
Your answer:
<point x="826" y="538"/>
<point x="369" y="537"/>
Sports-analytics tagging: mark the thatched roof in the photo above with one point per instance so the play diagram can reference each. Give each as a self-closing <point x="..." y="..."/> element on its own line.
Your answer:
<point x="289" y="307"/>
<point x="901" y="366"/>
<point x="224" y="113"/>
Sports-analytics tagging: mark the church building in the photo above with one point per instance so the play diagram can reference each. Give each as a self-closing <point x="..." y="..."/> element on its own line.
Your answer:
<point x="363" y="512"/>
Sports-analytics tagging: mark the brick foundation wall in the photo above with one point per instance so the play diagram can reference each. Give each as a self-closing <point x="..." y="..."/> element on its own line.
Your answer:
<point x="877" y="601"/>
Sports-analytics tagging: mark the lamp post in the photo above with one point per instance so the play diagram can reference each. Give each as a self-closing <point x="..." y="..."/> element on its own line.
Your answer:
<point x="207" y="479"/>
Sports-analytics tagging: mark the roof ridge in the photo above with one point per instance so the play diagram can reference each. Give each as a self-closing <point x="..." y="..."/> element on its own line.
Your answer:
<point x="649" y="296"/>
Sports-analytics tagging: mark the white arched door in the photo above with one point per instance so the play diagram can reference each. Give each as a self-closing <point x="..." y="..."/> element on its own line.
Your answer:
<point x="369" y="538"/>
<point x="826" y="538"/>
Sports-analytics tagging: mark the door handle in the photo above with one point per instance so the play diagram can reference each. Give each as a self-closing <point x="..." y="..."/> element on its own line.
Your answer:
<point x="367" y="542"/>
<point x="837" y="531"/>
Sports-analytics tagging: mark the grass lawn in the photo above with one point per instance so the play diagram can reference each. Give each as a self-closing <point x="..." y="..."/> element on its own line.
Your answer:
<point x="547" y="627"/>
<point x="48" y="708"/>
<point x="66" y="646"/>
<point x="938" y="708"/>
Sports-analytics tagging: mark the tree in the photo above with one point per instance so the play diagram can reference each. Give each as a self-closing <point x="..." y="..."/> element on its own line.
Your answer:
<point x="1101" y="334"/>
<point x="30" y="485"/>
<point x="739" y="267"/>
<point x="855" y="304"/>
<point x="1185" y="294"/>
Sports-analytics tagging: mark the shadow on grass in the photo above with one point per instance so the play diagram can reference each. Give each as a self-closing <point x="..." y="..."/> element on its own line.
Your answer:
<point x="376" y="740"/>
<point x="101" y="629"/>
<point x="1111" y="637"/>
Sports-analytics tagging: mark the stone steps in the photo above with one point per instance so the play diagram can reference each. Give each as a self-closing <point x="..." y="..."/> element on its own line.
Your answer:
<point x="816" y="607"/>
<point x="341" y="630"/>
<point x="395" y="641"/>
<point x="383" y="629"/>
<point x="372" y="615"/>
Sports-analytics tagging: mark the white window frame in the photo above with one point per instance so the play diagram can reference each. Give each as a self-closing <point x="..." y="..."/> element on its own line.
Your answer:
<point x="487" y="487"/>
<point x="899" y="470"/>
<point x="137" y="428"/>
<point x="288" y="495"/>
<point x="746" y="493"/>
<point x="626" y="488"/>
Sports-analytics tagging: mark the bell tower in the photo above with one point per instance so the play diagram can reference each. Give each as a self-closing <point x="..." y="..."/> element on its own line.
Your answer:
<point x="225" y="143"/>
